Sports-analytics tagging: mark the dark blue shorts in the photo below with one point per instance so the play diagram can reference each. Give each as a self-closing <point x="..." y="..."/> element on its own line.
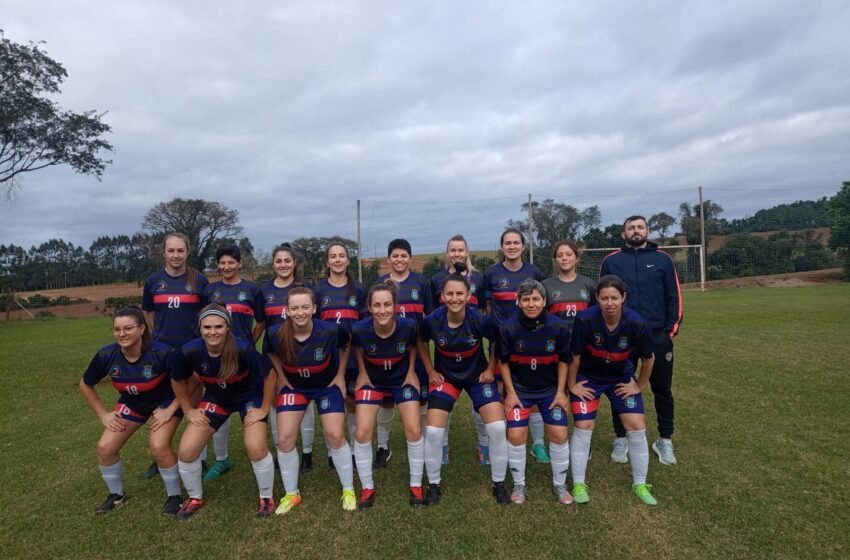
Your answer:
<point x="586" y="410"/>
<point x="369" y="394"/>
<point x="351" y="380"/>
<point x="218" y="415"/>
<point x="518" y="417"/>
<point x="444" y="396"/>
<point x="140" y="416"/>
<point x="328" y="399"/>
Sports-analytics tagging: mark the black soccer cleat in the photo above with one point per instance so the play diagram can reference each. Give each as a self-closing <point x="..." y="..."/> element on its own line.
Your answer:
<point x="382" y="457"/>
<point x="501" y="494"/>
<point x="432" y="495"/>
<point x="151" y="472"/>
<point x="306" y="463"/>
<point x="172" y="505"/>
<point x="111" y="501"/>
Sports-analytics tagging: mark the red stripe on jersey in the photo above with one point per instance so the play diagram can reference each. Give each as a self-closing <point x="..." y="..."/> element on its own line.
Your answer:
<point x="563" y="306"/>
<point x="291" y="399"/>
<point x="473" y="300"/>
<point x="447" y="388"/>
<point x="276" y="311"/>
<point x="240" y="308"/>
<point x="215" y="380"/>
<point x="370" y="395"/>
<point x="410" y="308"/>
<point x="175" y="298"/>
<point x="518" y="414"/>
<point x="504" y="296"/>
<point x="526" y="360"/>
<point x="380" y="361"/>
<point x="589" y="406"/>
<point x="465" y="354"/>
<point x="309" y="370"/>
<point x="333" y="314"/>
<point x="604" y="354"/>
<point x="142" y="387"/>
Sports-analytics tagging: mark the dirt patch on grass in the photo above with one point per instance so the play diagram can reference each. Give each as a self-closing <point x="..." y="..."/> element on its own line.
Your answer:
<point x="811" y="278"/>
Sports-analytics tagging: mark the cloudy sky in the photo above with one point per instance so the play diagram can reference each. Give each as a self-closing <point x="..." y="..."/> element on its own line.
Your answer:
<point x="439" y="116"/>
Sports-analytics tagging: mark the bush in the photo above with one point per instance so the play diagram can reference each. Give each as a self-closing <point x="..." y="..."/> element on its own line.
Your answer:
<point x="44" y="314"/>
<point x="115" y="303"/>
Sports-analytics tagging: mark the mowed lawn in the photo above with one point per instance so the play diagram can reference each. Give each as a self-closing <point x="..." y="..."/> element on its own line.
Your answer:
<point x="763" y="407"/>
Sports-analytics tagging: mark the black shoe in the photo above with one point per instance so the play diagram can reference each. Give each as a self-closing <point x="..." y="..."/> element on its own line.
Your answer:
<point x="501" y="494"/>
<point x="306" y="463"/>
<point x="151" y="472"/>
<point x="111" y="501"/>
<point x="204" y="468"/>
<point x="331" y="466"/>
<point x="172" y="505"/>
<point x="432" y="495"/>
<point x="382" y="457"/>
<point x="367" y="498"/>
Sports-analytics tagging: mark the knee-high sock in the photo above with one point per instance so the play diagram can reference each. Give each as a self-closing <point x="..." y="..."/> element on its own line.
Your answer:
<point x="385" y="422"/>
<point x="497" y="438"/>
<point x="190" y="473"/>
<point x="559" y="455"/>
<point x="579" y="451"/>
<point x="536" y="427"/>
<point x="434" y="453"/>
<point x="344" y="467"/>
<point x="264" y="473"/>
<point x="352" y="428"/>
<point x="171" y="480"/>
<point x="308" y="429"/>
<point x="220" y="441"/>
<point x="516" y="461"/>
<point x="483" y="438"/>
<point x="273" y="425"/>
<point x="638" y="455"/>
<point x="363" y="458"/>
<point x="416" y="460"/>
<point x="288" y="463"/>
<point x="113" y="476"/>
<point x="446" y="430"/>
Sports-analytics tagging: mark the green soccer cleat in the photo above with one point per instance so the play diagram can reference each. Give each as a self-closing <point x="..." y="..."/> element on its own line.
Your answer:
<point x="288" y="503"/>
<point x="538" y="451"/>
<point x="580" y="495"/>
<point x="643" y="493"/>
<point x="217" y="469"/>
<point x="349" y="501"/>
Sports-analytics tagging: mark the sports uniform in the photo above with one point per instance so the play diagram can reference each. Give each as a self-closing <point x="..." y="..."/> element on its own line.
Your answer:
<point x="333" y="303"/>
<point x="175" y="305"/>
<point x="244" y="302"/>
<point x="568" y="299"/>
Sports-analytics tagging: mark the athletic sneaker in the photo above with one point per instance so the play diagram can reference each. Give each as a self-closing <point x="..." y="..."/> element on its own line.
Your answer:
<point x="306" y="464"/>
<point x="287" y="503"/>
<point x="445" y="454"/>
<point x="518" y="495"/>
<point x="367" y="498"/>
<point x="664" y="449"/>
<point x="189" y="508"/>
<point x="501" y="493"/>
<point x="151" y="472"/>
<point x="349" y="501"/>
<point x="417" y="498"/>
<point x="643" y="493"/>
<point x="432" y="495"/>
<point x="111" y="501"/>
<point x="382" y="457"/>
<point x="483" y="452"/>
<point x="580" y="494"/>
<point x="172" y="505"/>
<point x="217" y="469"/>
<point x="538" y="451"/>
<point x="331" y="466"/>
<point x="266" y="508"/>
<point x="620" y="450"/>
<point x="562" y="494"/>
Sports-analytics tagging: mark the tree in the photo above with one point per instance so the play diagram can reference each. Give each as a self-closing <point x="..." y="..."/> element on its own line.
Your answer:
<point x="312" y="251"/>
<point x="554" y="221"/>
<point x="690" y="216"/>
<point x="609" y="237"/>
<point x="205" y="223"/>
<point x="839" y="210"/>
<point x="661" y="223"/>
<point x="35" y="132"/>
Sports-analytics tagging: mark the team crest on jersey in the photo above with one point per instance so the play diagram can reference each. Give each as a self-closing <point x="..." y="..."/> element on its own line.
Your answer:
<point x="325" y="301"/>
<point x="519" y="346"/>
<point x="488" y="391"/>
<point x="249" y="406"/>
<point x="319" y="354"/>
<point x="550" y="345"/>
<point x="352" y="301"/>
<point x="473" y="288"/>
<point x="147" y="372"/>
<point x="270" y="298"/>
<point x="557" y="413"/>
<point x="630" y="402"/>
<point x="188" y="288"/>
<point x="597" y="339"/>
<point x="161" y="287"/>
<point x="243" y="296"/>
<point x="502" y="283"/>
<point x="407" y="393"/>
<point x="441" y="342"/>
<point x="472" y="341"/>
<point x="216" y="296"/>
<point x="556" y="295"/>
<point x="324" y="404"/>
<point x="204" y="367"/>
<point x="372" y="349"/>
<point x="114" y="371"/>
<point x="623" y="343"/>
<point x="401" y="347"/>
<point x="583" y="295"/>
<point x="414" y="294"/>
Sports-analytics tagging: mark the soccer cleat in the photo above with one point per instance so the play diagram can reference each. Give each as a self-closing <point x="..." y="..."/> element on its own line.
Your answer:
<point x="445" y="454"/>
<point x="432" y="495"/>
<point x="367" y="498"/>
<point x="217" y="469"/>
<point x="501" y="493"/>
<point x="417" y="498"/>
<point x="620" y="450"/>
<point x="382" y="457"/>
<point x="266" y="508"/>
<point x="349" y="501"/>
<point x="111" y="501"/>
<point x="172" y="505"/>
<point x="287" y="503"/>
<point x="331" y="466"/>
<point x="580" y="495"/>
<point x="518" y="495"/>
<point x="151" y="472"/>
<point x="664" y="449"/>
<point x="189" y="508"/>
<point x="538" y="451"/>
<point x="483" y="452"/>
<point x="562" y="494"/>
<point x="306" y="464"/>
<point x="643" y="493"/>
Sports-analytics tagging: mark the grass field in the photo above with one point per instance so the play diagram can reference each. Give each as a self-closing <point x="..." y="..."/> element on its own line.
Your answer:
<point x="762" y="441"/>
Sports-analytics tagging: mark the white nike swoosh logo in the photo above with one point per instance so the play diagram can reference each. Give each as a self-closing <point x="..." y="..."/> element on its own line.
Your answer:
<point x="650" y="265"/>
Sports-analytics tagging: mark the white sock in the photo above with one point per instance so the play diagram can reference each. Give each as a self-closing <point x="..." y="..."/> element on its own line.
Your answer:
<point x="171" y="479"/>
<point x="497" y="438"/>
<point x="516" y="461"/>
<point x="113" y="476"/>
<point x="385" y="422"/>
<point x="483" y="438"/>
<point x="434" y="452"/>
<point x="308" y="429"/>
<point x="352" y="428"/>
<point x="579" y="451"/>
<point x="560" y="458"/>
<point x="446" y="430"/>
<point x="273" y="425"/>
<point x="363" y="458"/>
<point x="423" y="418"/>
<point x="416" y="460"/>
<point x="535" y="426"/>
<point x="264" y="473"/>
<point x="220" y="441"/>
<point x="344" y="467"/>
<point x="288" y="463"/>
<point x="190" y="473"/>
<point x="638" y="455"/>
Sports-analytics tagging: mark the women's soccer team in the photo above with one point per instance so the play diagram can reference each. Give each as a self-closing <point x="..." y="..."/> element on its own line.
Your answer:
<point x="355" y="355"/>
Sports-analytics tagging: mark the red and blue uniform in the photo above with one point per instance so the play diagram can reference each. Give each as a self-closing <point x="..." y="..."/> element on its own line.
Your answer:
<point x="567" y="299"/>
<point x="500" y="287"/>
<point x="387" y="361"/>
<point x="243" y="300"/>
<point x="476" y="288"/>
<point x="175" y="306"/>
<point x="144" y="384"/>
<point x="274" y="301"/>
<point x="344" y="307"/>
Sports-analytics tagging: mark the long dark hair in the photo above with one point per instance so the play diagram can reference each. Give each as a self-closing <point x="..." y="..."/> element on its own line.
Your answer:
<point x="229" y="352"/>
<point x="297" y="279"/>
<point x="611" y="281"/>
<point x="136" y="313"/>
<point x="502" y="240"/>
<point x="349" y="282"/>
<point x="286" y="335"/>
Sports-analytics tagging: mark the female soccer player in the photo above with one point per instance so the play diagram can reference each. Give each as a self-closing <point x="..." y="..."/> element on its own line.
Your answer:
<point x="568" y="293"/>
<point x="311" y="354"/>
<point x="236" y="378"/>
<point x="385" y="346"/>
<point x="533" y="354"/>
<point x="458" y="331"/>
<point x="603" y="338"/>
<point x="139" y="369"/>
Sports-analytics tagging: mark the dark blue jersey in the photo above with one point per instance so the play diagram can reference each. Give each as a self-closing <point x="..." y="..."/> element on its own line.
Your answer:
<point x="316" y="359"/>
<point x="533" y="355"/>
<point x="413" y="300"/>
<point x="387" y="359"/>
<point x="235" y="390"/>
<point x="175" y="306"/>
<point x="605" y="354"/>
<point x="333" y="303"/>
<point x="459" y="352"/>
<point x="244" y="302"/>
<point x="568" y="299"/>
<point x="144" y="383"/>
<point x="476" y="287"/>
<point x="274" y="301"/>
<point x="500" y="286"/>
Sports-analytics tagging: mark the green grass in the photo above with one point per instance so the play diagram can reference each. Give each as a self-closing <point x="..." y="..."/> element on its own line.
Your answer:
<point x="762" y="406"/>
